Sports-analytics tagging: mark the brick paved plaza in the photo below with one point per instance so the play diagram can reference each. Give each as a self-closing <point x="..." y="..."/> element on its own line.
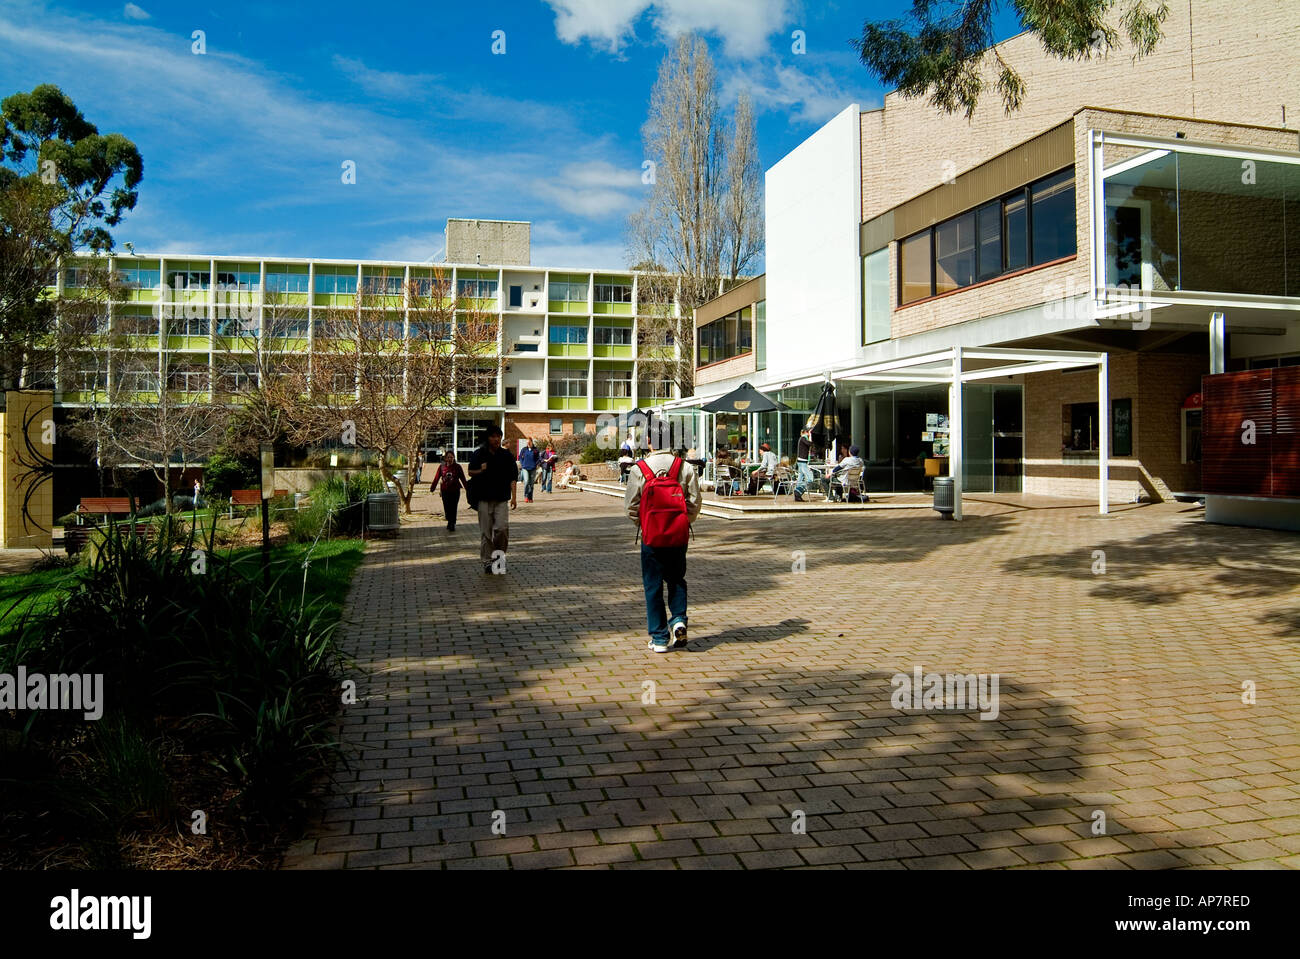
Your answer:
<point x="1121" y="693"/>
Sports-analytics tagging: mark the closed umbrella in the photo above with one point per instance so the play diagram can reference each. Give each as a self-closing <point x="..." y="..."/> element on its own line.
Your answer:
<point x="824" y="422"/>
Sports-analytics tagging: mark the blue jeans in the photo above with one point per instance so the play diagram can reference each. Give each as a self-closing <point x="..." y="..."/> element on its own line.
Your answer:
<point x="528" y="482"/>
<point x="804" y="478"/>
<point x="548" y="477"/>
<point x="665" y="565"/>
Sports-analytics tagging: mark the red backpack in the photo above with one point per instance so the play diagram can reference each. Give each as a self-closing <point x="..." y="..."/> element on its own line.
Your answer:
<point x="664" y="517"/>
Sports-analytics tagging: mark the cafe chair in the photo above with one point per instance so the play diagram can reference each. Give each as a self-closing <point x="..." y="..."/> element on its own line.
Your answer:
<point x="783" y="481"/>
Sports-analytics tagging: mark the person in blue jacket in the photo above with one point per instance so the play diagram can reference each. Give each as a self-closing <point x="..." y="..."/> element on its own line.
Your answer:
<point x="529" y="460"/>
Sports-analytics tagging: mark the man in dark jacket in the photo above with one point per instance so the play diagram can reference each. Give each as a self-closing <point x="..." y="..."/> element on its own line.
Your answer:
<point x="494" y="475"/>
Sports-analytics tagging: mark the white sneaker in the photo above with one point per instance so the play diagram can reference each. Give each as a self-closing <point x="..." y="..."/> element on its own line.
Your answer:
<point x="679" y="636"/>
<point x="658" y="647"/>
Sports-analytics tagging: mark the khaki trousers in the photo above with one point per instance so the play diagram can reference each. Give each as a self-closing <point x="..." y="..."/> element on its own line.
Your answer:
<point x="493" y="527"/>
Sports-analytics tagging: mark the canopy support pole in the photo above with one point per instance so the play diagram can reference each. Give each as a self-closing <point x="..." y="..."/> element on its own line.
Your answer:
<point x="1103" y="434"/>
<point x="954" y="433"/>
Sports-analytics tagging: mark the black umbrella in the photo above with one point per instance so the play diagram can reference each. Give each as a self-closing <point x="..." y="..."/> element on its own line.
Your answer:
<point x="743" y="399"/>
<point x="824" y="422"/>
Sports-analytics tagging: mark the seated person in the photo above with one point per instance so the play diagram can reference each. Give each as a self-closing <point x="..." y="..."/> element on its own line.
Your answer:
<point x="838" y="475"/>
<point x="569" y="475"/>
<point x="766" y="468"/>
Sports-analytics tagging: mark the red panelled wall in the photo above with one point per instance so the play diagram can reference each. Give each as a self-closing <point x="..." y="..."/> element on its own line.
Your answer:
<point x="1250" y="433"/>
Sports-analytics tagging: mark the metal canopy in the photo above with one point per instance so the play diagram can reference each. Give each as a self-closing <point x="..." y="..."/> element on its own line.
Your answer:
<point x="952" y="367"/>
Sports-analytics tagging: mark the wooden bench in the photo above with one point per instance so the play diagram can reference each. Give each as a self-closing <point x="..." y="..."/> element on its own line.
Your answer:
<point x="75" y="538"/>
<point x="249" y="497"/>
<point x="103" y="506"/>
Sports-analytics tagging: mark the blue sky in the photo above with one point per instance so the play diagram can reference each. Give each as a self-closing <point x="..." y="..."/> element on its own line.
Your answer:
<point x="243" y="146"/>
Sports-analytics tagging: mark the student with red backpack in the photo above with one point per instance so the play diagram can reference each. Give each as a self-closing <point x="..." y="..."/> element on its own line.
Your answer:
<point x="663" y="499"/>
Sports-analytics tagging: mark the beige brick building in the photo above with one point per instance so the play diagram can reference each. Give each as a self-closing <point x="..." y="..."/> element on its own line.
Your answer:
<point x="1099" y="227"/>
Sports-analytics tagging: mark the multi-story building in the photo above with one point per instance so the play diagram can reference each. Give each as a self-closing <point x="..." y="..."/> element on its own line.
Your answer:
<point x="569" y="342"/>
<point x="1140" y="217"/>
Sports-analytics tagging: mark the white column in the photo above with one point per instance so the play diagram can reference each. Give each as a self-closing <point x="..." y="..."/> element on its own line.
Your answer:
<point x="1218" y="343"/>
<point x="1103" y="431"/>
<point x="954" y="433"/>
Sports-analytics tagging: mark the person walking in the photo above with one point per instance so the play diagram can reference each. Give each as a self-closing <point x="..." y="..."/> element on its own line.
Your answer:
<point x="448" y="481"/>
<point x="549" y="458"/>
<point x="529" y="460"/>
<point x="663" y="499"/>
<point x="804" y="472"/>
<point x="493" y="476"/>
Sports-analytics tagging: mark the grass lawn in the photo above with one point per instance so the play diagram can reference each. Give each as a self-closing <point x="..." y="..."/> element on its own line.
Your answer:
<point x="32" y="592"/>
<point x="332" y="564"/>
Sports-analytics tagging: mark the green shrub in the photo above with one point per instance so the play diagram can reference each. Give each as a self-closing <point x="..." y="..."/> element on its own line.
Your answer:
<point x="594" y="454"/>
<point x="249" y="675"/>
<point x="222" y="474"/>
<point x="336" y="508"/>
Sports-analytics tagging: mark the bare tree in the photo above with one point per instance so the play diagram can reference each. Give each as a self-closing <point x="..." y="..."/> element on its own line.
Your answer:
<point x="164" y="431"/>
<point x="381" y="384"/>
<point x="742" y="210"/>
<point x="699" y="227"/>
<point x="261" y="376"/>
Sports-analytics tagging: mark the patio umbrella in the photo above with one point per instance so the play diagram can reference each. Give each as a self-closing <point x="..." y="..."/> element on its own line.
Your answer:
<point x="824" y="421"/>
<point x="743" y="399"/>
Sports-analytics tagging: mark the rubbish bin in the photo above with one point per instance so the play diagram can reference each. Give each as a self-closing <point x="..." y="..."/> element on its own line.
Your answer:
<point x="943" y="496"/>
<point x="382" y="512"/>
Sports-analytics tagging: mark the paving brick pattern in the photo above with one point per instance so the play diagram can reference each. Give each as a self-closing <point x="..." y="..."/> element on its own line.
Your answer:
<point x="518" y="699"/>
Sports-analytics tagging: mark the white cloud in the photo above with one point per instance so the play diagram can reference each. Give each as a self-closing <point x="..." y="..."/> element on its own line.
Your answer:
<point x="594" y="189"/>
<point x="135" y="13"/>
<point x="278" y="163"/>
<point x="412" y="247"/>
<point x="807" y="96"/>
<point x="744" y="25"/>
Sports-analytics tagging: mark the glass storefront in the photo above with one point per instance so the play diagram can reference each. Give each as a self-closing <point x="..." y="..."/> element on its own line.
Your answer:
<point x="904" y="435"/>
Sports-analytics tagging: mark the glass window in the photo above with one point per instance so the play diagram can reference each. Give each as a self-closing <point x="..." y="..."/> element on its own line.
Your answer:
<point x="654" y="389"/>
<point x="383" y="285"/>
<point x="988" y="230"/>
<point x="613" y="336"/>
<point x="613" y="293"/>
<point x="135" y="278"/>
<point x="724" y="338"/>
<point x="568" y="291"/>
<point x="557" y="426"/>
<point x="1015" y="233"/>
<point x="1054" y="233"/>
<point x="875" y="297"/>
<point x="343" y="284"/>
<point x="954" y="251"/>
<point x="760" y="329"/>
<point x="286" y="282"/>
<point x="479" y="289"/>
<point x="916" y="268"/>
<point x="568" y="381"/>
<point x="189" y="279"/>
<point x="568" y="334"/>
<point x="613" y="383"/>
<point x="579" y="426"/>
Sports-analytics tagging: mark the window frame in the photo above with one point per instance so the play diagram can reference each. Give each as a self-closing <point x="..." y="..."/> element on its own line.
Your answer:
<point x="1023" y="198"/>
